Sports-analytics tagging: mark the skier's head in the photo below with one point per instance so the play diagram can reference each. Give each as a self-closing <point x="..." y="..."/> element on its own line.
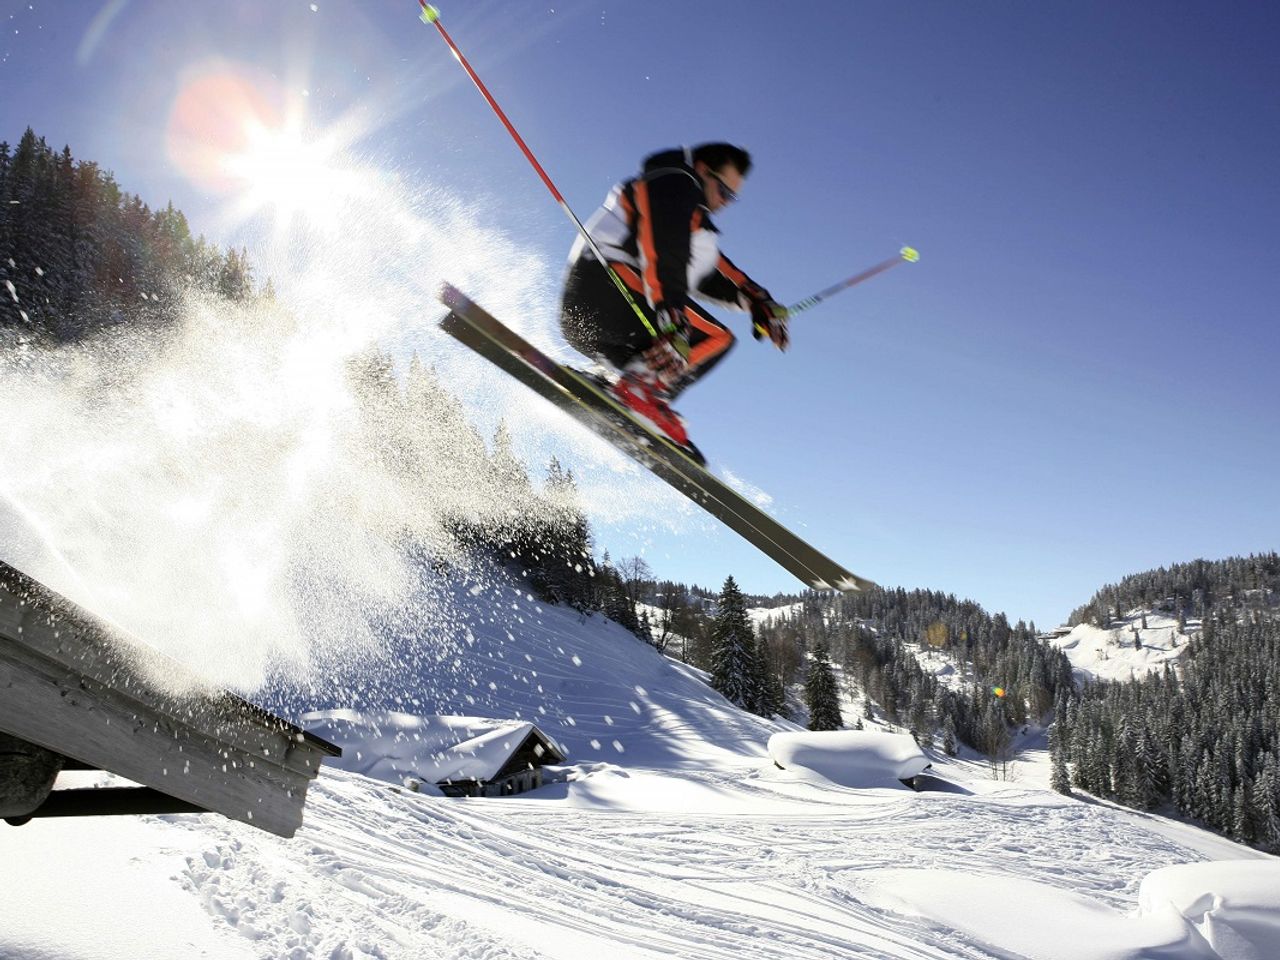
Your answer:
<point x="722" y="167"/>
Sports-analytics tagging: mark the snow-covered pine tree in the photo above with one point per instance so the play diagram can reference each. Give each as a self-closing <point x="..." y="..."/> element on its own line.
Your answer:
<point x="1059" y="776"/>
<point x="733" y="649"/>
<point x="821" y="693"/>
<point x="773" y="693"/>
<point x="950" y="746"/>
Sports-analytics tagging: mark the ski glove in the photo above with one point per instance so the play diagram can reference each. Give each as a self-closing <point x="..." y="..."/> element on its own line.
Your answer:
<point x="665" y="360"/>
<point x="769" y="318"/>
<point x="668" y="358"/>
<point x="674" y="325"/>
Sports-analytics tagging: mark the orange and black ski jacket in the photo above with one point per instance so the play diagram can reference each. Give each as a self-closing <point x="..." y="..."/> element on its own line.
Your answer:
<point x="656" y="232"/>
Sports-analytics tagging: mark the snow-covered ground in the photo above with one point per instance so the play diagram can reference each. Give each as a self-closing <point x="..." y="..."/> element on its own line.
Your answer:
<point x="1113" y="654"/>
<point x="669" y="833"/>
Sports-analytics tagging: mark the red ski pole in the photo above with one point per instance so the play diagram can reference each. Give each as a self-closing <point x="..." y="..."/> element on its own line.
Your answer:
<point x="431" y="15"/>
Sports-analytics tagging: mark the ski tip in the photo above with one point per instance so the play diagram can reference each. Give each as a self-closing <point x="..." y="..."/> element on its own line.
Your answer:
<point x="910" y="254"/>
<point x="451" y="296"/>
<point x="850" y="584"/>
<point x="429" y="13"/>
<point x="853" y="584"/>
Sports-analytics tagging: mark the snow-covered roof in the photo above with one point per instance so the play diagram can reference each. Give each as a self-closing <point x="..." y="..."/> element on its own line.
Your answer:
<point x="851" y="758"/>
<point x="391" y="746"/>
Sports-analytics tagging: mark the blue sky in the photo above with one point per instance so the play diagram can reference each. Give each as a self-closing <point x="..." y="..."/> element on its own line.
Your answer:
<point x="1077" y="381"/>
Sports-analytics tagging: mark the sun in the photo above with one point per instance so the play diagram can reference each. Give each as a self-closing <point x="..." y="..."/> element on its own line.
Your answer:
<point x="241" y="137"/>
<point x="294" y="177"/>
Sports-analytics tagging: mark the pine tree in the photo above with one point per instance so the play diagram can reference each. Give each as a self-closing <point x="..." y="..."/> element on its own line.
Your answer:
<point x="949" y="745"/>
<point x="733" y="668"/>
<point x="1059" y="777"/>
<point x="773" y="693"/>
<point x="821" y="693"/>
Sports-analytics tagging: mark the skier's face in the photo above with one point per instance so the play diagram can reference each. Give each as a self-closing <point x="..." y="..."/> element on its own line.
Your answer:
<point x="721" y="185"/>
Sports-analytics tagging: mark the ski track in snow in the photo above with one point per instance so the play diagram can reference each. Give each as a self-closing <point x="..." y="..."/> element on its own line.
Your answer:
<point x="422" y="876"/>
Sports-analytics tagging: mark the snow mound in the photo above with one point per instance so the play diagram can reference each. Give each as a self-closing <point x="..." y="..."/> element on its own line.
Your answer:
<point x="1235" y="903"/>
<point x="850" y="758"/>
<point x="1015" y="916"/>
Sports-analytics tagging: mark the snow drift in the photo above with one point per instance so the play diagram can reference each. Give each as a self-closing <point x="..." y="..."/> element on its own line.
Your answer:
<point x="850" y="758"/>
<point x="1235" y="903"/>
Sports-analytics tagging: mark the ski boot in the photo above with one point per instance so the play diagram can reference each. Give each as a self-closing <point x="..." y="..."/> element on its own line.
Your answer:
<point x="646" y="400"/>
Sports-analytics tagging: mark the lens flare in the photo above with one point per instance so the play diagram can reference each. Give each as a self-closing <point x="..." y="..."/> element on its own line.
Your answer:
<point x="243" y="137"/>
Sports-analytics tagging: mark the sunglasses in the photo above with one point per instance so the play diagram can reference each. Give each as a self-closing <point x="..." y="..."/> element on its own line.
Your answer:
<point x="726" y="192"/>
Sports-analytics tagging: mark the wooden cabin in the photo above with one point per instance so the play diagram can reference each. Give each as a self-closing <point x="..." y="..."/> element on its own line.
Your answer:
<point x="501" y="762"/>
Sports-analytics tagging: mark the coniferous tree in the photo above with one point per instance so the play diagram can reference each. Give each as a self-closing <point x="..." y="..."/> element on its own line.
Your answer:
<point x="773" y="693"/>
<point x="734" y="672"/>
<point x="821" y="693"/>
<point x="949" y="745"/>
<point x="1059" y="777"/>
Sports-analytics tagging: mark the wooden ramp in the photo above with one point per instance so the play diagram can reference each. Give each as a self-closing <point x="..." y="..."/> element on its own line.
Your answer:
<point x="77" y="694"/>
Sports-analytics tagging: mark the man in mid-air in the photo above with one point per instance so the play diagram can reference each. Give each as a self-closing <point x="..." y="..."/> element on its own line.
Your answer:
<point x="656" y="235"/>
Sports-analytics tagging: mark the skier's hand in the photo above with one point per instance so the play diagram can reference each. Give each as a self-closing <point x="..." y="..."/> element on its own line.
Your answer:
<point x="674" y="325"/>
<point x="668" y="358"/>
<point x="769" y="318"/>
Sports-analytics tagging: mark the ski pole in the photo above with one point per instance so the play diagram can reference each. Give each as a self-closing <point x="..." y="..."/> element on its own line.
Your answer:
<point x="430" y="15"/>
<point x="905" y="255"/>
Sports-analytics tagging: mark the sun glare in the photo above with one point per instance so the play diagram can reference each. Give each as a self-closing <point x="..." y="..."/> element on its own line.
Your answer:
<point x="293" y="177"/>
<point x="243" y="137"/>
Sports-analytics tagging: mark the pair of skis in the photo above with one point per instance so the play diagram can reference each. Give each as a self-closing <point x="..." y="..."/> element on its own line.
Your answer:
<point x="584" y="399"/>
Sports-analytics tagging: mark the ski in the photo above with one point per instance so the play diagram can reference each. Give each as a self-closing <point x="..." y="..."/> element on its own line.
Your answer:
<point x="581" y="397"/>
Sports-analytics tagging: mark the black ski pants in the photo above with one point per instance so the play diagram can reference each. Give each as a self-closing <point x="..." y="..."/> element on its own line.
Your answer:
<point x="599" y="323"/>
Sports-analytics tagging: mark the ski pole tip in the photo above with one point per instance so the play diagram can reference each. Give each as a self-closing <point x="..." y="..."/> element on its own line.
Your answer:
<point x="910" y="254"/>
<point x="429" y="13"/>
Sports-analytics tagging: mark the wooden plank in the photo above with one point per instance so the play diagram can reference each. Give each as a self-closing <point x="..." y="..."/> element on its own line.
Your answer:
<point x="64" y="633"/>
<point x="70" y="685"/>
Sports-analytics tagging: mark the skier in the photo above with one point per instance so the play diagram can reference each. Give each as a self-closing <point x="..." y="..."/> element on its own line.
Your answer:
<point x="656" y="233"/>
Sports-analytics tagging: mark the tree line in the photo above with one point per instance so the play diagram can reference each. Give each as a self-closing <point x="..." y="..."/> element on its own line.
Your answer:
<point x="1184" y="589"/>
<point x="78" y="254"/>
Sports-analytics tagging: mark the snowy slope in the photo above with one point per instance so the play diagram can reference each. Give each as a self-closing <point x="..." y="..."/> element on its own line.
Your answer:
<point x="1112" y="654"/>
<point x="670" y="834"/>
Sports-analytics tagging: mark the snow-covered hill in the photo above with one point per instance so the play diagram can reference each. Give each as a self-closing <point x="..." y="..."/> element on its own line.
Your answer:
<point x="1143" y="642"/>
<point x="668" y="834"/>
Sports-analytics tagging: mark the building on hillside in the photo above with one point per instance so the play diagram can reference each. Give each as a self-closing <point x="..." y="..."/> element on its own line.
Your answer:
<point x="499" y="763"/>
<point x="461" y="756"/>
<point x="1057" y="633"/>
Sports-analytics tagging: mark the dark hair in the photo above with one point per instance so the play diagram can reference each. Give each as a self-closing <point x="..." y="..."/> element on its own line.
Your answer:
<point x="716" y="155"/>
